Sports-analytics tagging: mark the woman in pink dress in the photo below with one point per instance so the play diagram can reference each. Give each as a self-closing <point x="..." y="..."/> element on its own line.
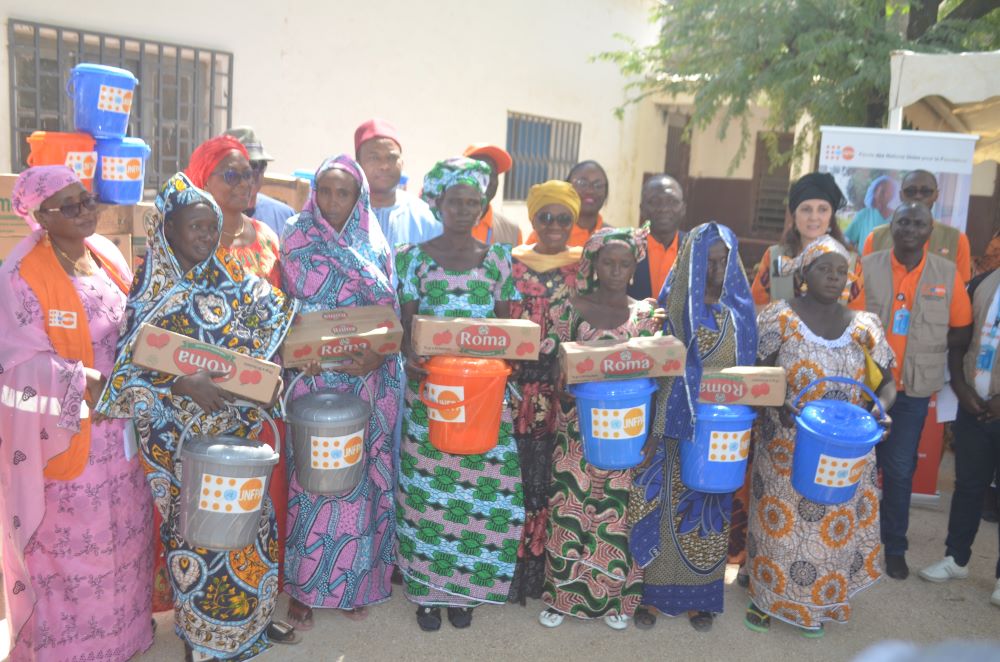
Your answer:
<point x="76" y="512"/>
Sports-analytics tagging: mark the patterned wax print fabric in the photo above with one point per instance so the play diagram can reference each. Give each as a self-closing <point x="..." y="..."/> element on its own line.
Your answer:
<point x="90" y="560"/>
<point x="339" y="549"/>
<point x="681" y="536"/>
<point x="807" y="559"/>
<point x="589" y="570"/>
<point x="542" y="295"/>
<point x="459" y="517"/>
<point x="261" y="258"/>
<point x="453" y="172"/>
<point x="223" y="601"/>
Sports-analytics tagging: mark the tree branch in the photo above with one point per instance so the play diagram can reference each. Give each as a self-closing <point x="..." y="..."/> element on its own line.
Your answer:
<point x="923" y="16"/>
<point x="969" y="10"/>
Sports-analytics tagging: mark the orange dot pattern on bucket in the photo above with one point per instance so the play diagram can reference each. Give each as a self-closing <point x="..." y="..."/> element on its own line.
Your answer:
<point x="838" y="472"/>
<point x="339" y="452"/>
<point x="618" y="423"/>
<point x="729" y="446"/>
<point x="225" y="494"/>
<point x="115" y="99"/>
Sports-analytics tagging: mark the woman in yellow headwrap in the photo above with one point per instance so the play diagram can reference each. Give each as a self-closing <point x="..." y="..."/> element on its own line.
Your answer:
<point x="545" y="272"/>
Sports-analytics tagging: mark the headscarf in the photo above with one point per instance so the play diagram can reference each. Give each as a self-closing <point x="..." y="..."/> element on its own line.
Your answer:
<point x="683" y="298"/>
<point x="632" y="238"/>
<point x="873" y="187"/>
<point x="451" y="172"/>
<point x="208" y="155"/>
<point x="815" y="186"/>
<point x="553" y="192"/>
<point x="37" y="184"/>
<point x="817" y="248"/>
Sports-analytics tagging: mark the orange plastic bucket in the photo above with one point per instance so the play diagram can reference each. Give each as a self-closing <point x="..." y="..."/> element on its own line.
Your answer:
<point x="464" y="399"/>
<point x="76" y="151"/>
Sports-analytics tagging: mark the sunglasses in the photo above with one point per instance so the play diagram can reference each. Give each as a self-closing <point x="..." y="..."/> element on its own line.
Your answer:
<point x="73" y="209"/>
<point x="233" y="177"/>
<point x="922" y="191"/>
<point x="547" y="218"/>
<point x="258" y="167"/>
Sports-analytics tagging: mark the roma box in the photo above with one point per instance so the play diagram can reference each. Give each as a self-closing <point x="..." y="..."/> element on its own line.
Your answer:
<point x="383" y="316"/>
<point x="602" y="360"/>
<point x="744" y="385"/>
<point x="327" y="335"/>
<point x="516" y="340"/>
<point x="174" y="354"/>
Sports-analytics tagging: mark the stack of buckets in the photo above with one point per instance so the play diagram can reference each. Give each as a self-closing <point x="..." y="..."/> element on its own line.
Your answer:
<point x="107" y="162"/>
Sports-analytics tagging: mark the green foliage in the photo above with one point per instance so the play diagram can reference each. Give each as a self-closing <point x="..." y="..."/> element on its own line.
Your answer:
<point x="816" y="61"/>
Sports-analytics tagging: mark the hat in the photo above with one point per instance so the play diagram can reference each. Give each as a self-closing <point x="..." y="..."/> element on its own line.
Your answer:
<point x="499" y="155"/>
<point x="375" y="128"/>
<point x="247" y="136"/>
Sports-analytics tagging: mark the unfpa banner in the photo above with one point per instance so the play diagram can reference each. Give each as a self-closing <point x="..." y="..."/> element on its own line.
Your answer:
<point x="870" y="164"/>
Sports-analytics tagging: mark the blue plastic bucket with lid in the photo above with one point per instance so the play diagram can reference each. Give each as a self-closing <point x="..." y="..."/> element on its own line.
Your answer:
<point x="715" y="459"/>
<point x="614" y="420"/>
<point x="121" y="170"/>
<point x="832" y="440"/>
<point x="102" y="99"/>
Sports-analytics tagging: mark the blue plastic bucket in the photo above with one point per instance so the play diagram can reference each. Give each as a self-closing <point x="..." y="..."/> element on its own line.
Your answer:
<point x="121" y="170"/>
<point x="715" y="459"/>
<point x="614" y="420"/>
<point x="102" y="99"/>
<point x="832" y="440"/>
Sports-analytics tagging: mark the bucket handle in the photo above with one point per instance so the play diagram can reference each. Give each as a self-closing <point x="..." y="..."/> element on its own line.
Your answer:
<point x="454" y="405"/>
<point x="237" y="403"/>
<point x="842" y="380"/>
<point x="302" y="375"/>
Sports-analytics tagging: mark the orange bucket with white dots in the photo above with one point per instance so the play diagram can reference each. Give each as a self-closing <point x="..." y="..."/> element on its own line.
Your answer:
<point x="614" y="420"/>
<point x="464" y="400"/>
<point x="76" y="151"/>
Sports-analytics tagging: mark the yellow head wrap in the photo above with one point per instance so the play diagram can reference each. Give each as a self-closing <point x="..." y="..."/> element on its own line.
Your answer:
<point x="553" y="192"/>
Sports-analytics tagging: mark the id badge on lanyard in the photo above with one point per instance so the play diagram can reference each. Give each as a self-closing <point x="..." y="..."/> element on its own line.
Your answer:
<point x="901" y="319"/>
<point x="987" y="352"/>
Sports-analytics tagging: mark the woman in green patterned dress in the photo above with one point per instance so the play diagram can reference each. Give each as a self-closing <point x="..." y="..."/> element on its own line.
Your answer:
<point x="459" y="517"/>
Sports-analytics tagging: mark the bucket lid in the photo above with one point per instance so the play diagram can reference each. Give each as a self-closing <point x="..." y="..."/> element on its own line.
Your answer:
<point x="88" y="67"/>
<point x="330" y="407"/>
<point x="706" y="411"/>
<point x="230" y="448"/>
<point x="122" y="142"/>
<point x="836" y="419"/>
<point x="467" y="366"/>
<point x="617" y="388"/>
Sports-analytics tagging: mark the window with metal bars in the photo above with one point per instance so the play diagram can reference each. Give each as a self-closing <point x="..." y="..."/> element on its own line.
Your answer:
<point x="542" y="148"/>
<point x="184" y="94"/>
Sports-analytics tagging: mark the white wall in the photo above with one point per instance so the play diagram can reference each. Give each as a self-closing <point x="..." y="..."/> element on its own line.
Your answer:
<point x="446" y="72"/>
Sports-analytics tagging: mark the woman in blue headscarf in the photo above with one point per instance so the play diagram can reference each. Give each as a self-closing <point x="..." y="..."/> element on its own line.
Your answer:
<point x="681" y="536"/>
<point x="880" y="199"/>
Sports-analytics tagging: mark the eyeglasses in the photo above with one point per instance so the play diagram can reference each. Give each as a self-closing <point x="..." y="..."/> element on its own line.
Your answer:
<point x="73" y="209"/>
<point x="922" y="191"/>
<point x="233" y="177"/>
<point x="547" y="218"/>
<point x="595" y="185"/>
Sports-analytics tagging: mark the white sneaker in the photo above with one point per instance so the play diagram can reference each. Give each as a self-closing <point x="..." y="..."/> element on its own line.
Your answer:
<point x="616" y="622"/>
<point x="995" y="598"/>
<point x="550" y="618"/>
<point x="944" y="570"/>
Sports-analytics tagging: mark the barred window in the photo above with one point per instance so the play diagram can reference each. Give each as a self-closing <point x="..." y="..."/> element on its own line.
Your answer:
<point x="542" y="149"/>
<point x="184" y="94"/>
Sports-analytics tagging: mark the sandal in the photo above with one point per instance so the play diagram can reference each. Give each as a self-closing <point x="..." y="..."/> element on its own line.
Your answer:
<point x="701" y="620"/>
<point x="301" y="615"/>
<point x="551" y="618"/>
<point x="812" y="633"/>
<point x="356" y="614"/>
<point x="280" y="632"/>
<point x="616" y="621"/>
<point x="460" y="617"/>
<point x="429" y="618"/>
<point x="756" y="620"/>
<point x="644" y="618"/>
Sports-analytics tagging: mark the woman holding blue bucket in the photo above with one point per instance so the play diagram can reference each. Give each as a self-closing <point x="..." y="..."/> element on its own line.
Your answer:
<point x="808" y="558"/>
<point x="682" y="536"/>
<point x="589" y="572"/>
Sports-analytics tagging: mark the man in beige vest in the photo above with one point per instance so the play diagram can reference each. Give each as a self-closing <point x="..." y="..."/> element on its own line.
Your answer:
<point x="975" y="378"/>
<point x="921" y="301"/>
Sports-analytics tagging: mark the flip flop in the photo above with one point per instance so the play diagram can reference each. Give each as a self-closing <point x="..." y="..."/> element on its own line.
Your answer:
<point x="429" y="618"/>
<point x="644" y="618"/>
<point x="812" y="633"/>
<point x="301" y="618"/>
<point x="701" y="620"/>
<point x="756" y="620"/>
<point x="356" y="614"/>
<point x="280" y="632"/>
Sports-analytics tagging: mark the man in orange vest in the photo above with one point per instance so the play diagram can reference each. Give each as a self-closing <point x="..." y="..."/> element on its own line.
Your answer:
<point x="662" y="204"/>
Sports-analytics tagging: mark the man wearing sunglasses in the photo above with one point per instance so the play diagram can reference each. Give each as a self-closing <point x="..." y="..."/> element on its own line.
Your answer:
<point x="948" y="242"/>
<point x="264" y="208"/>
<point x="662" y="205"/>
<point x="493" y="227"/>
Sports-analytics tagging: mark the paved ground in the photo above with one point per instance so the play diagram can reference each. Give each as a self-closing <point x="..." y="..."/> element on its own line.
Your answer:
<point x="913" y="610"/>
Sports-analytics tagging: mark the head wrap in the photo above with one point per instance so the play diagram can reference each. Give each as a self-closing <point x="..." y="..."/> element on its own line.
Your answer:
<point x="451" y="172"/>
<point x="208" y="155"/>
<point x="632" y="238"/>
<point x="553" y="192"/>
<point x="37" y="184"/>
<point x="815" y="186"/>
<point x="873" y="187"/>
<point x="179" y="192"/>
<point x="819" y="247"/>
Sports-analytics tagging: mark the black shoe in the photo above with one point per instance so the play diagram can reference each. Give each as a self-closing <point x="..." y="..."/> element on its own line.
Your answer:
<point x="895" y="566"/>
<point x="460" y="617"/>
<point x="429" y="618"/>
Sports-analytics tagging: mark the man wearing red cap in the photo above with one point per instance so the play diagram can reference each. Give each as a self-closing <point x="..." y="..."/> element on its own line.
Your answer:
<point x="493" y="227"/>
<point x="404" y="218"/>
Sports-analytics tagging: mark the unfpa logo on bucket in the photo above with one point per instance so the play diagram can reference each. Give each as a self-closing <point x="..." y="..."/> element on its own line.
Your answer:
<point x="223" y="494"/>
<point x="336" y="452"/>
<point x="618" y="423"/>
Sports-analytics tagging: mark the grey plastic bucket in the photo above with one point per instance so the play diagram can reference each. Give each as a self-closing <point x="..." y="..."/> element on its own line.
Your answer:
<point x="327" y="432"/>
<point x="223" y="485"/>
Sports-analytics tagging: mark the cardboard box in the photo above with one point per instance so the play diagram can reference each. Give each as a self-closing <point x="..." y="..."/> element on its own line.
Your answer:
<point x="515" y="340"/>
<point x="335" y="319"/>
<point x="139" y="246"/>
<point x="291" y="190"/>
<point x="124" y="244"/>
<point x="11" y="225"/>
<point x="139" y="215"/>
<point x="329" y="335"/>
<point x="603" y="360"/>
<point x="174" y="354"/>
<point x="114" y="220"/>
<point x="744" y="385"/>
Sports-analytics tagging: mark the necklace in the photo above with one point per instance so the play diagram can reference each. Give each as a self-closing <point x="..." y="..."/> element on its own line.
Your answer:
<point x="236" y="235"/>
<point x="85" y="269"/>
